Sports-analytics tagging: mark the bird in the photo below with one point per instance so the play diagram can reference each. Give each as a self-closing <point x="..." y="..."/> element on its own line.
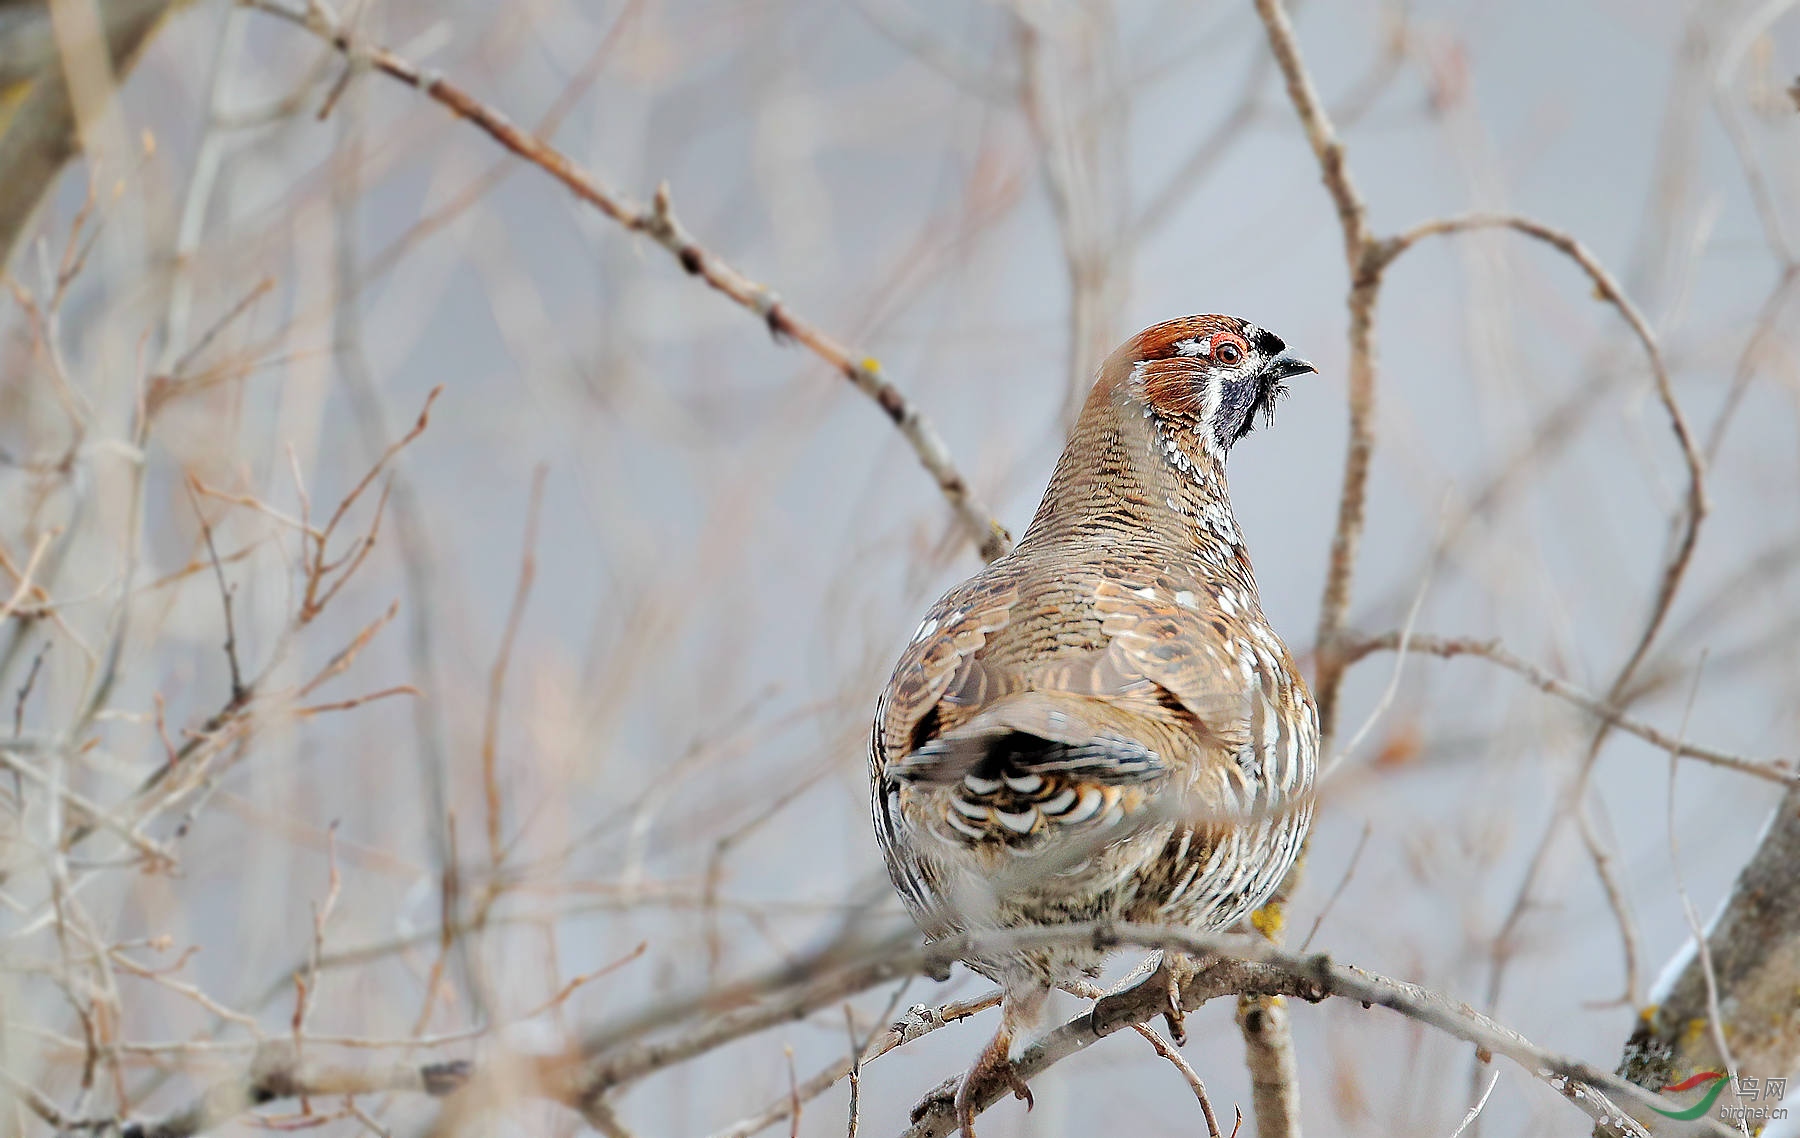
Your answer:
<point x="1101" y="725"/>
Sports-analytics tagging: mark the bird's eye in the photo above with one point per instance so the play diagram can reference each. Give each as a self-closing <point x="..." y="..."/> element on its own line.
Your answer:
<point x="1228" y="349"/>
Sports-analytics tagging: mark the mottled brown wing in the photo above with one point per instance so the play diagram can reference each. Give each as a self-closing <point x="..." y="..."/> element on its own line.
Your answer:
<point x="940" y="657"/>
<point x="1180" y="639"/>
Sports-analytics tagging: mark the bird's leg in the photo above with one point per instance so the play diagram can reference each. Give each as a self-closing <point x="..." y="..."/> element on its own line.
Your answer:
<point x="1018" y="1008"/>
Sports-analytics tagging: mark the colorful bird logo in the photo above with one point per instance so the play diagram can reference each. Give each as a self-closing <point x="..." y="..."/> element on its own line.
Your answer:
<point x="1716" y="1078"/>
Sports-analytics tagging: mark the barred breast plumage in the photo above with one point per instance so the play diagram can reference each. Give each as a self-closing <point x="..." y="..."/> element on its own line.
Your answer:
<point x="1101" y="724"/>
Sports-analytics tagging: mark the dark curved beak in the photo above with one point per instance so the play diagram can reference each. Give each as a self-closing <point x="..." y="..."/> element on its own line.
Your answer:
<point x="1285" y="366"/>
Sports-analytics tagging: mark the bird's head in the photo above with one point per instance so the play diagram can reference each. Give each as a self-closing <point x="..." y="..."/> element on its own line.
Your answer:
<point x="1214" y="375"/>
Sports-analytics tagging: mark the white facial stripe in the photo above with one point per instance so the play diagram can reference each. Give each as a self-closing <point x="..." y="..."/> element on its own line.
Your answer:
<point x="1210" y="402"/>
<point x="1194" y="347"/>
<point x="1252" y="333"/>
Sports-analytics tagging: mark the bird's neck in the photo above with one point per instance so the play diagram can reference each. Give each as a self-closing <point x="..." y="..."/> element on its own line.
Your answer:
<point x="1136" y="480"/>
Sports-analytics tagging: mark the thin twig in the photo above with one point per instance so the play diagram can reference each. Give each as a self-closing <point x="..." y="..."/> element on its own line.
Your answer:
<point x="1167" y="1051"/>
<point x="1714" y="1020"/>
<point x="1088" y="990"/>
<point x="490" y="772"/>
<point x="1609" y="290"/>
<point x="1365" y="289"/>
<point x="856" y="1049"/>
<point x="24" y="692"/>
<point x="1350" y="865"/>
<point x="1475" y="1111"/>
<point x="1783" y="771"/>
<point x="1393" y="685"/>
<point x="659" y="223"/>
<point x="239" y="693"/>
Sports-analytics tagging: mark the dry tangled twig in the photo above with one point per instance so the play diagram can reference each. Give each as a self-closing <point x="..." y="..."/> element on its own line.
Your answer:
<point x="659" y="223"/>
<point x="174" y="755"/>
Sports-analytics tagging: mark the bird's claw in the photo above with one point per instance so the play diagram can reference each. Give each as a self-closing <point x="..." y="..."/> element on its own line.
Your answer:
<point x="1173" y="1014"/>
<point x="1171" y="977"/>
<point x="992" y="1067"/>
<point x="1020" y="1088"/>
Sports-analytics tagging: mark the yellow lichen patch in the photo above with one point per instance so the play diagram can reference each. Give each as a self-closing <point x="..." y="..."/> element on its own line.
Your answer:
<point x="871" y="365"/>
<point x="1269" y="920"/>
<point x="1648" y="1014"/>
<point x="10" y="98"/>
<point x="1692" y="1033"/>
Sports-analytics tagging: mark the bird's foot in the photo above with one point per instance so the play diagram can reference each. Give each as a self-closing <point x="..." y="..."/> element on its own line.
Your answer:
<point x="1172" y="976"/>
<point x="993" y="1066"/>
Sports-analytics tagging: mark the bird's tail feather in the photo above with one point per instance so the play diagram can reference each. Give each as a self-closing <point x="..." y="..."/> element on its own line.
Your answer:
<point x="1034" y="733"/>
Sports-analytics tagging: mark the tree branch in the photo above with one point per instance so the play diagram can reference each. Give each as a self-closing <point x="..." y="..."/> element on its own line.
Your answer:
<point x="278" y="1073"/>
<point x="1783" y="771"/>
<point x="1754" y="947"/>
<point x="1254" y="966"/>
<point x="41" y="134"/>
<point x="1268" y="1041"/>
<point x="659" y="223"/>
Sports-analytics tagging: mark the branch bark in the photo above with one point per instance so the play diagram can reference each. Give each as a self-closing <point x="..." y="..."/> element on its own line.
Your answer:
<point x="1754" y="945"/>
<point x="1268" y="1040"/>
<point x="276" y="1073"/>
<point x="1243" y="965"/>
<point x="1254" y="966"/>
<point x="1367" y="258"/>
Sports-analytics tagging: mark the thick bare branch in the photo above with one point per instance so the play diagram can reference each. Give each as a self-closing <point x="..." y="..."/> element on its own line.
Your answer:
<point x="1754" y="948"/>
<point x="277" y="1073"/>
<point x="1252" y="965"/>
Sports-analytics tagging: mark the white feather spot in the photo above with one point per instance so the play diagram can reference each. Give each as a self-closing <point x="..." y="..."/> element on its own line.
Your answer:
<point x="1020" y="823"/>
<point x="1025" y="784"/>
<point x="963" y="827"/>
<point x="1087" y="807"/>
<point x="980" y="785"/>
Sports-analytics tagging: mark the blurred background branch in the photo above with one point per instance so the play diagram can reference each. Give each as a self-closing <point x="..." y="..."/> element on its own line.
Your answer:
<point x="40" y="127"/>
<point x="268" y="860"/>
